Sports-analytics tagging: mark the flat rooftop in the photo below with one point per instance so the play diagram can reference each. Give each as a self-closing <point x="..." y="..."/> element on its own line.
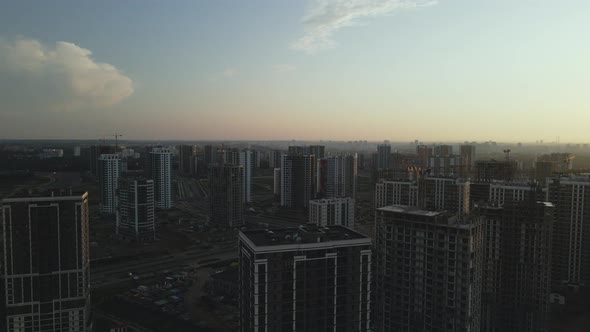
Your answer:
<point x="303" y="234"/>
<point x="410" y="210"/>
<point x="57" y="194"/>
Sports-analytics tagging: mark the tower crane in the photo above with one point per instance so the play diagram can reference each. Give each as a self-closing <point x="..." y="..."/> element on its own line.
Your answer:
<point x="117" y="140"/>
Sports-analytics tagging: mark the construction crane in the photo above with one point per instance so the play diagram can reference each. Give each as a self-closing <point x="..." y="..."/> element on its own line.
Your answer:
<point x="507" y="152"/>
<point x="117" y="140"/>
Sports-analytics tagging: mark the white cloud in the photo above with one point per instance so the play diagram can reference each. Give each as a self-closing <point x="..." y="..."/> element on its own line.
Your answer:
<point x="59" y="77"/>
<point x="229" y="72"/>
<point x="325" y="17"/>
<point x="283" y="68"/>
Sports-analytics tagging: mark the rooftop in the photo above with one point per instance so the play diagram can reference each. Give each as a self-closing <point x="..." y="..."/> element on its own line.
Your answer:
<point x="308" y="233"/>
<point x="45" y="195"/>
<point x="411" y="210"/>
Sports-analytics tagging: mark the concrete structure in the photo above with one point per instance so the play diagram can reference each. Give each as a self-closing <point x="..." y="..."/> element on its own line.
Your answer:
<point x="226" y="195"/>
<point x="571" y="233"/>
<point x="383" y="155"/>
<point x="424" y="152"/>
<point x="517" y="266"/>
<point x="109" y="168"/>
<point x="187" y="160"/>
<point x="305" y="279"/>
<point x="274" y="159"/>
<point x="467" y="153"/>
<point x="489" y="170"/>
<point x="447" y="165"/>
<point x="332" y="211"/>
<point x="443" y="150"/>
<point x="337" y="176"/>
<point x="136" y="209"/>
<point x="277" y="181"/>
<point x="247" y="161"/>
<point x="429" y="193"/>
<point x="319" y="151"/>
<point x="428" y="271"/>
<point x="298" y="180"/>
<point x="160" y="170"/>
<point x="45" y="262"/>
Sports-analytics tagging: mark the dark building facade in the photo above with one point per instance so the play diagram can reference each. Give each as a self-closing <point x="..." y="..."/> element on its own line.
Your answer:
<point x="488" y="170"/>
<point x="517" y="266"/>
<point x="305" y="279"/>
<point x="187" y="160"/>
<point x="298" y="180"/>
<point x="45" y="262"/>
<point x="225" y="194"/>
<point x="136" y="209"/>
<point x="428" y="271"/>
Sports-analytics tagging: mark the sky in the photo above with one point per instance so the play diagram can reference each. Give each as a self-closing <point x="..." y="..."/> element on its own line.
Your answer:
<point x="443" y="70"/>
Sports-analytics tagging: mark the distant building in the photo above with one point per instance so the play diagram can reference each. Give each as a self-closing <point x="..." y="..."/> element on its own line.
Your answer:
<point x="403" y="192"/>
<point x="275" y="159"/>
<point x="226" y="195"/>
<point x="443" y="150"/>
<point x="445" y="165"/>
<point x="383" y="155"/>
<point x="332" y="211"/>
<point x="277" y="181"/>
<point x="544" y="170"/>
<point x="45" y="264"/>
<point x="51" y="153"/>
<point x="517" y="266"/>
<point x="467" y="153"/>
<point x="338" y="176"/>
<point x="109" y="168"/>
<point x="489" y="170"/>
<point x="136" y="209"/>
<point x="247" y="161"/>
<point x="298" y="180"/>
<point x="305" y="279"/>
<point x="187" y="160"/>
<point x="319" y="151"/>
<point x="160" y="171"/>
<point x="424" y="152"/>
<point x="428" y="271"/>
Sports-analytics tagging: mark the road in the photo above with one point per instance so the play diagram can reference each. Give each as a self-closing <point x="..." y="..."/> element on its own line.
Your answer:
<point x="117" y="273"/>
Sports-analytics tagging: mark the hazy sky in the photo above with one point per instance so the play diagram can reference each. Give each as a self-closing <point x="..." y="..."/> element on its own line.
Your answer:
<point x="286" y="69"/>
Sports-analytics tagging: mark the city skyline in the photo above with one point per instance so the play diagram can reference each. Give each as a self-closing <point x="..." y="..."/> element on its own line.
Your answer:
<point x="333" y="70"/>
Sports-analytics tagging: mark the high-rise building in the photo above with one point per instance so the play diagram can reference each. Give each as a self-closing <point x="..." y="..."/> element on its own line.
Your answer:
<point x="404" y="192"/>
<point x="226" y="192"/>
<point x="275" y="158"/>
<point x="231" y="156"/>
<point x="383" y="155"/>
<point x="488" y="170"/>
<point x="160" y="171"/>
<point x="428" y="271"/>
<point x="305" y="279"/>
<point x="428" y="193"/>
<point x="332" y="211"/>
<point x="136" y="208"/>
<point x="109" y="168"/>
<point x="95" y="152"/>
<point x="187" y="160"/>
<point x="571" y="233"/>
<point x="443" y="150"/>
<point x="517" y="265"/>
<point x="319" y="151"/>
<point x="468" y="158"/>
<point x="438" y="194"/>
<point x="338" y="176"/>
<point x="298" y="180"/>
<point x="277" y="181"/>
<point x="544" y="170"/>
<point x="424" y="152"/>
<point x="248" y="163"/>
<point x="447" y="165"/>
<point x="45" y="262"/>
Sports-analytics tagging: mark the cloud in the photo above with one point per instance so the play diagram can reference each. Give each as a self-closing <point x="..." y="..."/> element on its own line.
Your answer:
<point x="283" y="68"/>
<point x="229" y="72"/>
<point x="325" y="17"/>
<point x="57" y="77"/>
